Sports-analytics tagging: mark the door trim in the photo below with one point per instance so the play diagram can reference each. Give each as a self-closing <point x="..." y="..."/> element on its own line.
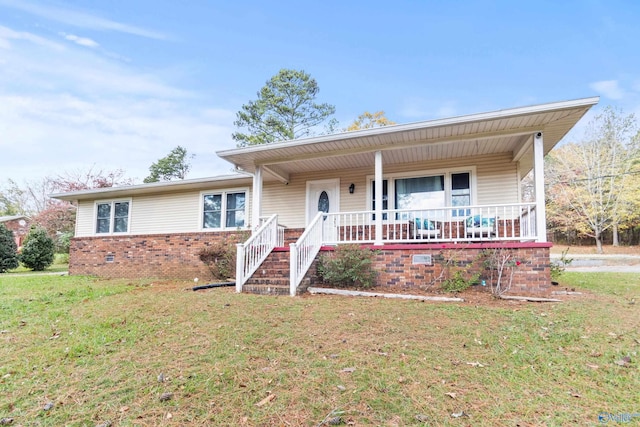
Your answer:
<point x="335" y="182"/>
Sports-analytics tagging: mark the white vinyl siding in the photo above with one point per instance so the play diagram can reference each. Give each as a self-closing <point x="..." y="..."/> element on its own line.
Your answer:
<point x="153" y="214"/>
<point x="496" y="181"/>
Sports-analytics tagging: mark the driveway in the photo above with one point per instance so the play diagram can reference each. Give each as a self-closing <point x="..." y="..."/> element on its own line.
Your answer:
<point x="603" y="263"/>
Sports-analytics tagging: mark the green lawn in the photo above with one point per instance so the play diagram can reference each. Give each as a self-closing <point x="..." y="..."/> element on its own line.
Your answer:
<point x="95" y="348"/>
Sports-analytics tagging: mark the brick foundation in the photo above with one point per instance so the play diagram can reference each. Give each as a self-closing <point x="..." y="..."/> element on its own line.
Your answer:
<point x="176" y="256"/>
<point x="396" y="269"/>
<point x="168" y="256"/>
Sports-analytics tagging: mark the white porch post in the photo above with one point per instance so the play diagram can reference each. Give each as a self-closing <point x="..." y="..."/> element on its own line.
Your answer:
<point x="538" y="170"/>
<point x="378" y="196"/>
<point x="257" y="198"/>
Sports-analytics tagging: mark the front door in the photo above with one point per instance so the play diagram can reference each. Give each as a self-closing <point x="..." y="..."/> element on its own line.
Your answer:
<point x="324" y="196"/>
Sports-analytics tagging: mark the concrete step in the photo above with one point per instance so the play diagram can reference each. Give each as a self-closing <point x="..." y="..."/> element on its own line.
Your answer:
<point x="265" y="289"/>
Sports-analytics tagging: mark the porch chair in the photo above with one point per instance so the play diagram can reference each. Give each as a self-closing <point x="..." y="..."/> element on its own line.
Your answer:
<point x="426" y="229"/>
<point x="477" y="226"/>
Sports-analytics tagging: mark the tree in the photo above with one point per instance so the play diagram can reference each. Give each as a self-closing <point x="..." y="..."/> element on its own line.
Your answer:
<point x="285" y="109"/>
<point x="594" y="178"/>
<point x="369" y="120"/>
<point x="175" y="165"/>
<point x="59" y="221"/>
<point x="38" y="250"/>
<point x="8" y="250"/>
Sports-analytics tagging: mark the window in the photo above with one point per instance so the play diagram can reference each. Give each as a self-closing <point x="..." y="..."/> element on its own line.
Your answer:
<point x="460" y="193"/>
<point x="420" y="193"/>
<point x="385" y="197"/>
<point x="112" y="217"/>
<point x="427" y="192"/>
<point x="228" y="208"/>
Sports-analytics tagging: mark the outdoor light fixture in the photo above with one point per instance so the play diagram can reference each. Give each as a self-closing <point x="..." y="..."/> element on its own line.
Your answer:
<point x="352" y="188"/>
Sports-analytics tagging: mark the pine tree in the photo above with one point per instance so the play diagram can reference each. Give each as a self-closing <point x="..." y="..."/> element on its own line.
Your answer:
<point x="38" y="250"/>
<point x="8" y="250"/>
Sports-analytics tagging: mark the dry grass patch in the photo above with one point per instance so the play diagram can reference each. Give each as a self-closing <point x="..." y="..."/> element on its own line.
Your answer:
<point x="96" y="349"/>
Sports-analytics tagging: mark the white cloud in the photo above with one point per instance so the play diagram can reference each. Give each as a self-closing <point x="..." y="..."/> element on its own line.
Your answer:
<point x="82" y="41"/>
<point x="80" y="19"/>
<point x="7" y="35"/>
<point x="67" y="108"/>
<point x="609" y="88"/>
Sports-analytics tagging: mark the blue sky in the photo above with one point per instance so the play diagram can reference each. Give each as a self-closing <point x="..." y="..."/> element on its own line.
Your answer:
<point x="118" y="84"/>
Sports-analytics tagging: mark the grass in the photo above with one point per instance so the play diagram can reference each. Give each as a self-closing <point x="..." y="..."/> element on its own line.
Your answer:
<point x="60" y="264"/>
<point x="95" y="348"/>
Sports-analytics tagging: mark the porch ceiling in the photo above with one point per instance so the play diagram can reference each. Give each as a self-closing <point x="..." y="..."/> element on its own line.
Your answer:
<point x="503" y="131"/>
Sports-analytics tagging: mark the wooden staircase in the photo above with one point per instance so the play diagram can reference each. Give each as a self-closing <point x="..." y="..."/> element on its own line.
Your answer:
<point x="272" y="277"/>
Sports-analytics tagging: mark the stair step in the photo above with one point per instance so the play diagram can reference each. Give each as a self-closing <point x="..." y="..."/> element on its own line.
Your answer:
<point x="265" y="289"/>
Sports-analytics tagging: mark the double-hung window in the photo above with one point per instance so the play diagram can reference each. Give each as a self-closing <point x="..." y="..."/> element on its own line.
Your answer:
<point x="112" y="216"/>
<point x="226" y="209"/>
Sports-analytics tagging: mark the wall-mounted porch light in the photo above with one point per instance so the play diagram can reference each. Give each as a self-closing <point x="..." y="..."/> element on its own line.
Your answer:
<point x="352" y="188"/>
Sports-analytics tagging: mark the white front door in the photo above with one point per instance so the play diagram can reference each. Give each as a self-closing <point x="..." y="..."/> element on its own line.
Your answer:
<point x="324" y="196"/>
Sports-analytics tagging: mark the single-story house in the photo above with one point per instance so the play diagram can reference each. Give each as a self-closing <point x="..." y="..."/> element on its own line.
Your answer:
<point x="425" y="194"/>
<point x="19" y="225"/>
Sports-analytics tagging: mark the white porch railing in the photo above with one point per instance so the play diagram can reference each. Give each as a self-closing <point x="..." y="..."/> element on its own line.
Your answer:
<point x="256" y="249"/>
<point x="304" y="251"/>
<point x="281" y="228"/>
<point x="504" y="222"/>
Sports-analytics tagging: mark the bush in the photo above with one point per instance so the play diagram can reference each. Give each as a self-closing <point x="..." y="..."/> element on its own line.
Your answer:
<point x="63" y="242"/>
<point x="38" y="250"/>
<point x="558" y="267"/>
<point x="220" y="257"/>
<point x="458" y="283"/>
<point x="8" y="250"/>
<point x="348" y="266"/>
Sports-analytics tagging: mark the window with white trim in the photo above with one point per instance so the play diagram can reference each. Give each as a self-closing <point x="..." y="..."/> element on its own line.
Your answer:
<point x="431" y="191"/>
<point x="224" y="210"/>
<point x="112" y="216"/>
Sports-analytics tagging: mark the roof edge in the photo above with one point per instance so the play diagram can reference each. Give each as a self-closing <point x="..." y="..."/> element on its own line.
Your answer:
<point x="149" y="186"/>
<point x="491" y="115"/>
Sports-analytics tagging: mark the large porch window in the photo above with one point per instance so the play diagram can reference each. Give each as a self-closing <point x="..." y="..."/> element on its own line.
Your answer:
<point x="427" y="192"/>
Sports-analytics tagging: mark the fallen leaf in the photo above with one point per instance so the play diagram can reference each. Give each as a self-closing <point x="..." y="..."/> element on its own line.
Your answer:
<point x="266" y="400"/>
<point x="451" y="395"/>
<point x="592" y="366"/>
<point x="341" y="387"/>
<point x="476" y="364"/>
<point x="5" y="421"/>
<point x="576" y="395"/>
<point x="48" y="406"/>
<point x="169" y="416"/>
<point x="624" y="361"/>
<point x="348" y="370"/>
<point x="459" y="414"/>
<point x="166" y="396"/>
<point x="124" y="408"/>
<point x="595" y="354"/>
<point x="423" y="418"/>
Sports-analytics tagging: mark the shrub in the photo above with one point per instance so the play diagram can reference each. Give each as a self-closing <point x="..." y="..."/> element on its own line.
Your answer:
<point x="220" y="257"/>
<point x="8" y="250"/>
<point x="38" y="250"/>
<point x="558" y="267"/>
<point x="348" y="266"/>
<point x="501" y="264"/>
<point x="63" y="242"/>
<point x="458" y="282"/>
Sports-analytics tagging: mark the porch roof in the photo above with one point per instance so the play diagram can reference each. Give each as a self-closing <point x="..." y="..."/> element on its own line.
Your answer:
<point x="503" y="131"/>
